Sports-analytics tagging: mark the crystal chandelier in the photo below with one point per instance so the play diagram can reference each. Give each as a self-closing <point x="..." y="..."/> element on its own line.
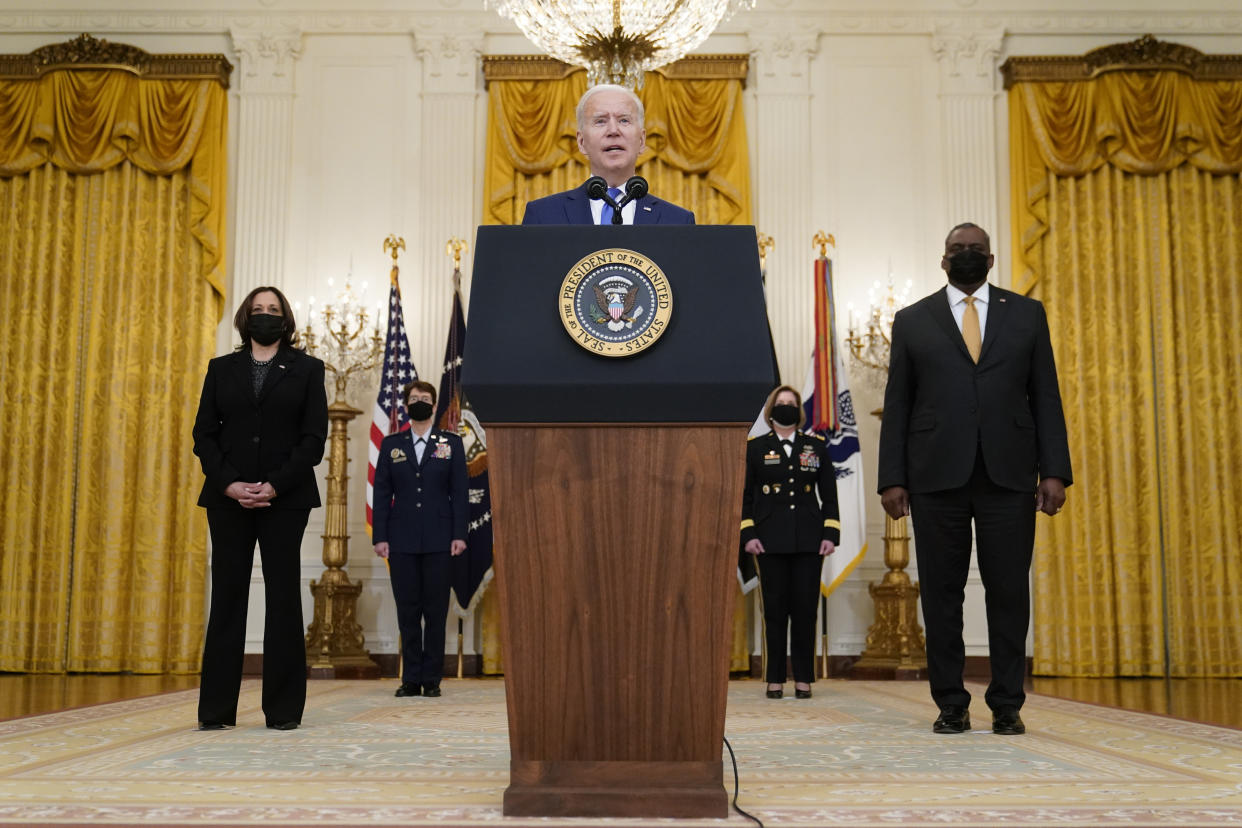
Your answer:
<point x="618" y="40"/>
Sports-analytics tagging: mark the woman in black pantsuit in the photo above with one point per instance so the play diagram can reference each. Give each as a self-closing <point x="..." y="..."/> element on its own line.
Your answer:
<point x="790" y="521"/>
<point x="260" y="431"/>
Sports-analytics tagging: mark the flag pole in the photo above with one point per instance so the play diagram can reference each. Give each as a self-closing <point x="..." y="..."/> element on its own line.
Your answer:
<point x="823" y="627"/>
<point x="460" y="639"/>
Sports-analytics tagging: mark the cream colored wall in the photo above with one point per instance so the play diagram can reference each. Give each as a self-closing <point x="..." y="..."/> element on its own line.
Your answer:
<point x="881" y="122"/>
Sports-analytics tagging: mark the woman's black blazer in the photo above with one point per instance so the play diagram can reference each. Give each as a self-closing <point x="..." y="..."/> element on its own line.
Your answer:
<point x="276" y="437"/>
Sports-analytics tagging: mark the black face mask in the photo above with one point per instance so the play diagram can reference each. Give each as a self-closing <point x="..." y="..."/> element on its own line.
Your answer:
<point x="968" y="267"/>
<point x="265" y="329"/>
<point x="419" y="410"/>
<point x="785" y="414"/>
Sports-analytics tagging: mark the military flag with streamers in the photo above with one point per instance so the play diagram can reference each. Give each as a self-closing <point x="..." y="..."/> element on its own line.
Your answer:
<point x="389" y="413"/>
<point x="472" y="570"/>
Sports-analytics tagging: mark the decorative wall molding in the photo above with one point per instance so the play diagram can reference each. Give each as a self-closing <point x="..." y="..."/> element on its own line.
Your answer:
<point x="87" y="52"/>
<point x="450" y="60"/>
<point x="963" y="54"/>
<point x="1227" y="21"/>
<point x="542" y="67"/>
<point x="266" y="61"/>
<point x="1146" y="53"/>
<point x="783" y="60"/>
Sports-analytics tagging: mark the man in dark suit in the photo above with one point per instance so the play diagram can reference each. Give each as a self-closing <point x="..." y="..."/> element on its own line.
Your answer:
<point x="973" y="431"/>
<point x="611" y="136"/>
<point x="418" y="522"/>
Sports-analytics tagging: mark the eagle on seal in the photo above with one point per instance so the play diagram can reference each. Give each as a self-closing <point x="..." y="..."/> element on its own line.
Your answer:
<point x="618" y="305"/>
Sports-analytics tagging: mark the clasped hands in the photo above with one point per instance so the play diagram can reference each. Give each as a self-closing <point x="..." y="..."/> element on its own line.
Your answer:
<point x="754" y="546"/>
<point x="455" y="548"/>
<point x="251" y="495"/>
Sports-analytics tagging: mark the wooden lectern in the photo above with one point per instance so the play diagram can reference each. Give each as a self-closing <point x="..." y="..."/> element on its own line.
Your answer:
<point x="616" y="497"/>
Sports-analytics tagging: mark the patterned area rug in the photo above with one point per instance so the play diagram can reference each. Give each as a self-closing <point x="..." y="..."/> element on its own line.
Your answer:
<point x="857" y="754"/>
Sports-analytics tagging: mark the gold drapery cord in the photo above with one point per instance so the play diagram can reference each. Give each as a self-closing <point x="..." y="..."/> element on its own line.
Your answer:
<point x="112" y="209"/>
<point x="696" y="157"/>
<point x="1127" y="222"/>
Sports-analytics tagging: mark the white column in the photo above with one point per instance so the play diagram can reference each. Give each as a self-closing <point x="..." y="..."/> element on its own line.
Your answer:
<point x="968" y="81"/>
<point x="782" y="187"/>
<point x="450" y="85"/>
<point x="264" y="149"/>
<point x="447" y="167"/>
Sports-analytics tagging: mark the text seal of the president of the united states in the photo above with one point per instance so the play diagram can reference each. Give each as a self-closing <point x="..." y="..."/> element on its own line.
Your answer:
<point x="615" y="302"/>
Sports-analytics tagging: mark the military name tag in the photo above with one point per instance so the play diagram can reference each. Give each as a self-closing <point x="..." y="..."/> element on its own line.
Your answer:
<point x="615" y="302"/>
<point x="772" y="458"/>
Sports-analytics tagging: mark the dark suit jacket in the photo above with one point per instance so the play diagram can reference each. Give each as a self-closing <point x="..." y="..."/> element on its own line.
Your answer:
<point x="939" y="405"/>
<point x="420" y="507"/>
<point x="574" y="207"/>
<point x="277" y="438"/>
<point x="774" y="483"/>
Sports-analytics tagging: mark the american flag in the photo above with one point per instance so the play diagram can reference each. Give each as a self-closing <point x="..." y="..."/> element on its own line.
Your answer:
<point x="389" y="413"/>
<point x="472" y="571"/>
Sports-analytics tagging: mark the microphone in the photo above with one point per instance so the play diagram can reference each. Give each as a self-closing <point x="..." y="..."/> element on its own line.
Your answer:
<point x="635" y="189"/>
<point x="597" y="187"/>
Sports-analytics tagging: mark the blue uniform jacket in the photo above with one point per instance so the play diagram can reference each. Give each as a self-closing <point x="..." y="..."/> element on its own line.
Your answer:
<point x="420" y="507"/>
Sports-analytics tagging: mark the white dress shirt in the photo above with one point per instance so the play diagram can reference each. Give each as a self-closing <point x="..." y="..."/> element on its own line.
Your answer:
<point x="957" y="304"/>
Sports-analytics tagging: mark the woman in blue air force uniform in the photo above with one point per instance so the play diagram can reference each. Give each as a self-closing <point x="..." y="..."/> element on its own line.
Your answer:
<point x="418" y="522"/>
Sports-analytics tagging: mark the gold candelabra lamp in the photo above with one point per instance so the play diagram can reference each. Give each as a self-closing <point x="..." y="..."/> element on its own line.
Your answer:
<point x="895" y="646"/>
<point x="869" y="338"/>
<point x="347" y="338"/>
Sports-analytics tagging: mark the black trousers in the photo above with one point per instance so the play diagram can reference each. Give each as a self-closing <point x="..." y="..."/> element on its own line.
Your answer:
<point x="234" y="533"/>
<point x="1004" y="524"/>
<point x="790" y="588"/>
<point x="420" y="586"/>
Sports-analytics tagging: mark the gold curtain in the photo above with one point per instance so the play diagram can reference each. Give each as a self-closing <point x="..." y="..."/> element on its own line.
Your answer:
<point x="1127" y="221"/>
<point x="112" y="198"/>
<point x="696" y="154"/>
<point x="696" y="157"/>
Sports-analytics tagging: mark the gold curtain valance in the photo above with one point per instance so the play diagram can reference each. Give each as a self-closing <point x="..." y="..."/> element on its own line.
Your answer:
<point x="1140" y="122"/>
<point x="694" y="126"/>
<point x="1144" y="107"/>
<point x="87" y="120"/>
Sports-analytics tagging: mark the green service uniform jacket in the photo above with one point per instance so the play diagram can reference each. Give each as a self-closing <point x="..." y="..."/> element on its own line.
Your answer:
<point x="790" y="503"/>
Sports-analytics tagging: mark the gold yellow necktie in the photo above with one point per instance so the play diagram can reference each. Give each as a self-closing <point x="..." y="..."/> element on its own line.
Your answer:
<point x="970" y="329"/>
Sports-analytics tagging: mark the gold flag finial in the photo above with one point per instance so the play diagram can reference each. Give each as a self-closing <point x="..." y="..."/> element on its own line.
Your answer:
<point x="453" y="248"/>
<point x="766" y="243"/>
<point x="394" y="243"/>
<point x="823" y="239"/>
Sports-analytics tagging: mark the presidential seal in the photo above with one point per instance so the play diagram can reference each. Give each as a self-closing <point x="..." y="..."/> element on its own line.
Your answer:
<point x="615" y="302"/>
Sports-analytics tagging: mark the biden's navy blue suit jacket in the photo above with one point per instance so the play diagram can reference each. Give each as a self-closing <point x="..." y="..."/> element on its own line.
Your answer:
<point x="420" y="507"/>
<point x="574" y="207"/>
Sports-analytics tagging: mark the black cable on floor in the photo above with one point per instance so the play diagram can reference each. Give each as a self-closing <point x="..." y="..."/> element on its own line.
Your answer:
<point x="737" y="807"/>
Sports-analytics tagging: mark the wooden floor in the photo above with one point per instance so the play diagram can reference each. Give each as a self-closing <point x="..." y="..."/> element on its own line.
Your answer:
<point x="1216" y="701"/>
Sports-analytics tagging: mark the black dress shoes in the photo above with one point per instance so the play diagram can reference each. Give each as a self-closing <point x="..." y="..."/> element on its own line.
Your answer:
<point x="1007" y="722"/>
<point x="778" y="693"/>
<point x="212" y="725"/>
<point x="953" y="719"/>
<point x="802" y="694"/>
<point x="408" y="690"/>
<point x="431" y="690"/>
<point x="282" y="725"/>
